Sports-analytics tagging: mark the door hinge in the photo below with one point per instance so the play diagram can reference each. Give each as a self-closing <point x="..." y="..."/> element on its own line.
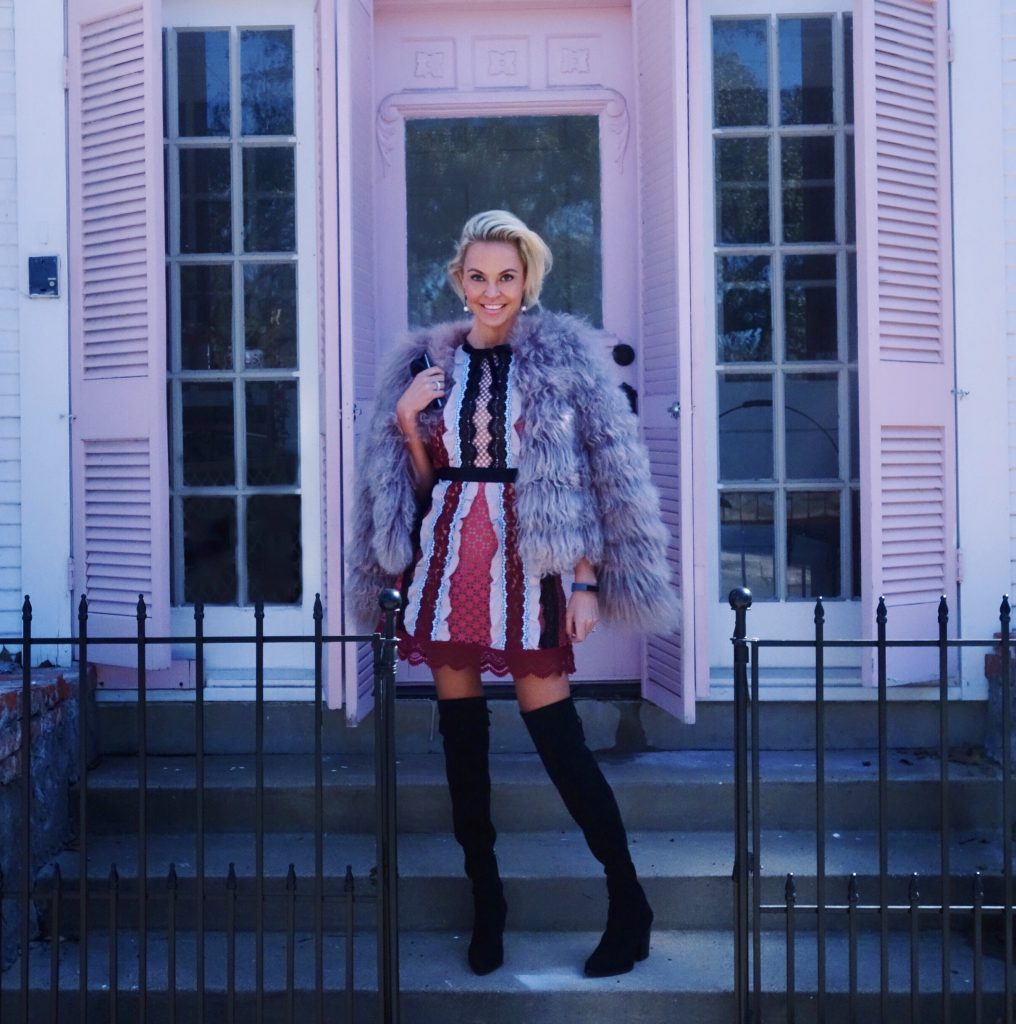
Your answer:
<point x="70" y="575"/>
<point x="66" y="73"/>
<point x="959" y="566"/>
<point x="950" y="46"/>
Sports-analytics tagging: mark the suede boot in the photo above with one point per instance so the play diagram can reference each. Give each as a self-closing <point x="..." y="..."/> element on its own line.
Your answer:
<point x="465" y="730"/>
<point x="561" y="743"/>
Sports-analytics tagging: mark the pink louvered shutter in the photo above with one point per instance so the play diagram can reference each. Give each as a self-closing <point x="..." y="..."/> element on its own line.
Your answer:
<point x="118" y="322"/>
<point x="907" y="430"/>
<point x="660" y="33"/>
<point x="356" y="289"/>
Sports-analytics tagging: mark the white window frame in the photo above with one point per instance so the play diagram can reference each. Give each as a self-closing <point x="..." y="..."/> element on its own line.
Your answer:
<point x="229" y="666"/>
<point x="789" y="672"/>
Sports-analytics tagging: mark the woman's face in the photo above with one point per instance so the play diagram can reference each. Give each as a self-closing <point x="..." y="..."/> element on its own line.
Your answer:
<point x="494" y="282"/>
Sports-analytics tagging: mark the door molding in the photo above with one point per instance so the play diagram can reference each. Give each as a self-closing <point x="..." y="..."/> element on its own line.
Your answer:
<point x="398" y="107"/>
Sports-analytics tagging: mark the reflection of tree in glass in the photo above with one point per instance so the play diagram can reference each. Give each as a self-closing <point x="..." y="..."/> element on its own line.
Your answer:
<point x="739" y="97"/>
<point x="266" y="62"/>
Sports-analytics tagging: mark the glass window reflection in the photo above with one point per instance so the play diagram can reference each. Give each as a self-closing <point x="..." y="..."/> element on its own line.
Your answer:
<point x="206" y="317"/>
<point x="809" y="189"/>
<point x="209" y="550"/>
<point x="269" y="303"/>
<point x="744" y="309"/>
<point x="205" y="197"/>
<point x="273" y="432"/>
<point x="742" y="190"/>
<point x="269" y="199"/>
<point x="207" y="410"/>
<point x="809" y="307"/>
<point x="812" y="424"/>
<point x="806" y="70"/>
<point x="202" y="83"/>
<point x="746" y="426"/>
<point x="748" y="542"/>
<point x="266" y="81"/>
<point x="813" y="544"/>
<point x="740" y="72"/>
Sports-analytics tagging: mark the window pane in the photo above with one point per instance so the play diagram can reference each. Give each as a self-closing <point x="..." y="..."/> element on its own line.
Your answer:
<point x="272" y="432"/>
<point x="740" y="73"/>
<point x="746" y="426"/>
<point x="850" y="190"/>
<point x="742" y="190"/>
<point x="806" y="71"/>
<point x="273" y="548"/>
<point x="203" y="83"/>
<point x="206" y="317"/>
<point x="855" y="534"/>
<point x="744" y="316"/>
<point x="209" y="550"/>
<point x="809" y="189"/>
<point x="813" y="544"/>
<point x="848" y="69"/>
<point x="809" y="306"/>
<point x="747" y="543"/>
<point x="269" y="199"/>
<point x="852" y="307"/>
<point x="269" y="302"/>
<point x="204" y="201"/>
<point x="266" y="82"/>
<point x="855" y="441"/>
<point x="545" y="169"/>
<point x="811" y="408"/>
<point x="208" y="434"/>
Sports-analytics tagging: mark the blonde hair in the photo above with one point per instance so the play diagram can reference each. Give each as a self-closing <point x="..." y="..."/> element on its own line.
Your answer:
<point x="502" y="226"/>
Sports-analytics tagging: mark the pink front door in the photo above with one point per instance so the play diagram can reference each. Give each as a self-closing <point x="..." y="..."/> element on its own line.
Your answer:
<point x="477" y="109"/>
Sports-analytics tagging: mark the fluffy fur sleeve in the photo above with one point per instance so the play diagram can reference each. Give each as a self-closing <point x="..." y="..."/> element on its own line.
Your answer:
<point x="633" y="573"/>
<point x="385" y="505"/>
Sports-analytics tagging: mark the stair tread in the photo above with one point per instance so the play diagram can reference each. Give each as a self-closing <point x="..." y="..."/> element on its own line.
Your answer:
<point x="665" y="854"/>
<point x="434" y="962"/>
<point x="653" y="767"/>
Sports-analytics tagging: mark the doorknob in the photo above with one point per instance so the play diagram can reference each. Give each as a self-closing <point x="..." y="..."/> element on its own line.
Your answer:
<point x="675" y="410"/>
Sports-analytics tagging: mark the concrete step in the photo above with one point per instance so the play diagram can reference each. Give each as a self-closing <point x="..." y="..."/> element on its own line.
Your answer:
<point x="551" y="879"/>
<point x="688" y="977"/>
<point x="624" y="726"/>
<point x="675" y="790"/>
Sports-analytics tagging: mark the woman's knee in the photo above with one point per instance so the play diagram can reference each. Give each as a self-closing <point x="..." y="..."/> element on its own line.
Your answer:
<point x="457" y="683"/>
<point x="533" y="692"/>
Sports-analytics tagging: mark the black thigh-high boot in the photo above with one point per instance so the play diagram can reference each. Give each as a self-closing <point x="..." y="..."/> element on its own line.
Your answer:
<point x="465" y="729"/>
<point x="561" y="743"/>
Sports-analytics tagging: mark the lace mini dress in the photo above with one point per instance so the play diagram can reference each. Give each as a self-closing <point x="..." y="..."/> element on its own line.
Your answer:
<point x="471" y="600"/>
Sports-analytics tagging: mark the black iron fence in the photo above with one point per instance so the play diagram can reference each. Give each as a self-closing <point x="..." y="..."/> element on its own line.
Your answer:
<point x="931" y="947"/>
<point x="143" y="963"/>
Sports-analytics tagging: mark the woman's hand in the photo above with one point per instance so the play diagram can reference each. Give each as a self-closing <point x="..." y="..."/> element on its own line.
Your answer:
<point x="425" y="387"/>
<point x="582" y="615"/>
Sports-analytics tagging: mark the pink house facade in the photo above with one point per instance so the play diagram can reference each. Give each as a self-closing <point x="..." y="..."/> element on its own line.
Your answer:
<point x="791" y="220"/>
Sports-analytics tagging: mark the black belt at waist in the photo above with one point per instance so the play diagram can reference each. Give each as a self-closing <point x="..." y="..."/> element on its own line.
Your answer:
<point x="478" y="474"/>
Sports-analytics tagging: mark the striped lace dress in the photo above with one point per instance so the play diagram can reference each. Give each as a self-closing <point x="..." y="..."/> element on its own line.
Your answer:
<point x="471" y="601"/>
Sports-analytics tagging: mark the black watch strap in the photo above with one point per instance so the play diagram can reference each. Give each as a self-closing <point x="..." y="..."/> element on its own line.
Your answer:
<point x="593" y="588"/>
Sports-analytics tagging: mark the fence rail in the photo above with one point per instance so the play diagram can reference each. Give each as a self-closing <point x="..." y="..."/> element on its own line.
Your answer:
<point x="153" y="952"/>
<point x="934" y="907"/>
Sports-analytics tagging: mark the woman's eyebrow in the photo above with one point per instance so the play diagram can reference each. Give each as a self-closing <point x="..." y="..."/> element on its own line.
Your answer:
<point x="507" y="270"/>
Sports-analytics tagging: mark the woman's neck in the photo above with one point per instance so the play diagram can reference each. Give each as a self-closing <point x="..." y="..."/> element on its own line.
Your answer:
<point x="480" y="336"/>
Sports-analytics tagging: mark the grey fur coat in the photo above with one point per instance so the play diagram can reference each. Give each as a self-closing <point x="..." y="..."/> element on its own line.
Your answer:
<point x="583" y="484"/>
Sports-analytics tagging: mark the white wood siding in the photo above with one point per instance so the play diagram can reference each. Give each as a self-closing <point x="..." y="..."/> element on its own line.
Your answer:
<point x="10" y="403"/>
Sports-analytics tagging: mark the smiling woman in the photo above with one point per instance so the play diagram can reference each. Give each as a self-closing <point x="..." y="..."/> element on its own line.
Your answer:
<point x="530" y="469"/>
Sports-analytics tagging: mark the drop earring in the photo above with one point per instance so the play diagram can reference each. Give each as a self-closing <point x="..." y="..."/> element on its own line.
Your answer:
<point x="524" y="308"/>
<point x="465" y="309"/>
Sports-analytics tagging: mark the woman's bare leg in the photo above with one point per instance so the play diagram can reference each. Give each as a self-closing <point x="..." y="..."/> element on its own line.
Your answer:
<point x="534" y="692"/>
<point x="456" y="683"/>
